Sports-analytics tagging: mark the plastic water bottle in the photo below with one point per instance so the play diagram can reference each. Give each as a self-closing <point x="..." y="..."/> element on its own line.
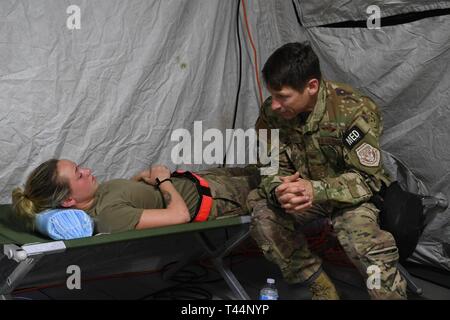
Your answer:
<point x="269" y="291"/>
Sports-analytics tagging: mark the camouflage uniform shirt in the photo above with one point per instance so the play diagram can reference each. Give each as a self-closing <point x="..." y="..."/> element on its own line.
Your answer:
<point x="336" y="147"/>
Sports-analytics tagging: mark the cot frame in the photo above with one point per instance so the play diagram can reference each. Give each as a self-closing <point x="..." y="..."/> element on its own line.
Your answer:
<point x="28" y="255"/>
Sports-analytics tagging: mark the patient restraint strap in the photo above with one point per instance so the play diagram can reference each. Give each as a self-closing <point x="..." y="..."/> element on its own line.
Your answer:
<point x="205" y="202"/>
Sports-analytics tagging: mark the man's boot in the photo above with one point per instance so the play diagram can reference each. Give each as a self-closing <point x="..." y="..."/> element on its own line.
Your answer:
<point x="323" y="289"/>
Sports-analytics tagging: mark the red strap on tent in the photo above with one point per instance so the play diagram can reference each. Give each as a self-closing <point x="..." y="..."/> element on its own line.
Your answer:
<point x="205" y="203"/>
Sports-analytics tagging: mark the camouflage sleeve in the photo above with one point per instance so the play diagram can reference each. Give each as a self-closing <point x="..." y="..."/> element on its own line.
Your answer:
<point x="285" y="167"/>
<point x="364" y="172"/>
<point x="270" y="182"/>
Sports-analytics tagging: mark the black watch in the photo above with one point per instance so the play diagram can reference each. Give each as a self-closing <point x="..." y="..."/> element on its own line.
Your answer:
<point x="158" y="182"/>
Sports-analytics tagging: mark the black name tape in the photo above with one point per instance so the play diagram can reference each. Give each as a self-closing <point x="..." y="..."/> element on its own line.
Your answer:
<point x="352" y="137"/>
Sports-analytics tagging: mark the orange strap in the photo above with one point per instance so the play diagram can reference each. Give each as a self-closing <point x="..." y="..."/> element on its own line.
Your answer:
<point x="205" y="204"/>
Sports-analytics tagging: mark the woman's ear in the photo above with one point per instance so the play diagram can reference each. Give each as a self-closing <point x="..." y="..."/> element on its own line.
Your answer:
<point x="68" y="203"/>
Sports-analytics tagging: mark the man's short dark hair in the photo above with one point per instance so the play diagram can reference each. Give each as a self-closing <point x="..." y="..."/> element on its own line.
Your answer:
<point x="293" y="65"/>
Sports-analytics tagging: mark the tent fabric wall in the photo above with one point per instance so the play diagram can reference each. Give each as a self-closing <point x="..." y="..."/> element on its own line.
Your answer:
<point x="316" y="13"/>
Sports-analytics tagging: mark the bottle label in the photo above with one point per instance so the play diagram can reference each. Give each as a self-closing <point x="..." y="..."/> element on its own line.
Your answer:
<point x="268" y="297"/>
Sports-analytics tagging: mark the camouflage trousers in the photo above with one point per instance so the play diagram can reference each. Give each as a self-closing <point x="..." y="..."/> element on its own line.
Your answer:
<point x="277" y="234"/>
<point x="230" y="188"/>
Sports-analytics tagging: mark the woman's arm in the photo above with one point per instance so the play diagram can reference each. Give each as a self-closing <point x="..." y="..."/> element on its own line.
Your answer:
<point x="176" y="211"/>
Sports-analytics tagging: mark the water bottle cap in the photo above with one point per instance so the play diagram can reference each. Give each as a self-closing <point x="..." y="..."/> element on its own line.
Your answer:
<point x="270" y="281"/>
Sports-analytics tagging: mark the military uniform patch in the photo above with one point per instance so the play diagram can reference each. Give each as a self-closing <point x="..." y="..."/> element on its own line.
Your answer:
<point x="353" y="136"/>
<point x="368" y="156"/>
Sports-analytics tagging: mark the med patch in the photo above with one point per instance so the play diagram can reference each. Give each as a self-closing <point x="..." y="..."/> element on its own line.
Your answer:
<point x="353" y="136"/>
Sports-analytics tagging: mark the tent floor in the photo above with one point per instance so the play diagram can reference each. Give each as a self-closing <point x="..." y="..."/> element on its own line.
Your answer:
<point x="136" y="286"/>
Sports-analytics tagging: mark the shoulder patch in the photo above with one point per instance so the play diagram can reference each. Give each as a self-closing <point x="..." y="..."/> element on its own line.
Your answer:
<point x="352" y="137"/>
<point x="368" y="156"/>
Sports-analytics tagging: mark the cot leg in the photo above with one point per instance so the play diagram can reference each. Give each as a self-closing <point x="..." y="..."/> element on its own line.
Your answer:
<point x="217" y="255"/>
<point x="181" y="264"/>
<point x="17" y="276"/>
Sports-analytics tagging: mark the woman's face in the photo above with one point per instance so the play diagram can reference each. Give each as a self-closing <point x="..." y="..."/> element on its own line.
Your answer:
<point x="83" y="184"/>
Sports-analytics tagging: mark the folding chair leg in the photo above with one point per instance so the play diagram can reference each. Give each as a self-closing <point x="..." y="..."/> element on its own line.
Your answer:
<point x="409" y="280"/>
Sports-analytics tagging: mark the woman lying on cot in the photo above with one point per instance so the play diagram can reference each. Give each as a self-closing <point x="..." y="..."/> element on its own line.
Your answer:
<point x="153" y="198"/>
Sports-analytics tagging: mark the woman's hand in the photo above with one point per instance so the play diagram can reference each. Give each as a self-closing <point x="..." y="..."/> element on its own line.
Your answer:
<point x="141" y="175"/>
<point x="157" y="171"/>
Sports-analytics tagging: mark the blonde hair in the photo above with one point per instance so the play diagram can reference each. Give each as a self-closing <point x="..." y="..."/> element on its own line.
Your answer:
<point x="43" y="190"/>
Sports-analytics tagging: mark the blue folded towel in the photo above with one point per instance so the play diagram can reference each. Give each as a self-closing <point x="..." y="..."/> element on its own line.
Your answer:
<point x="65" y="224"/>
